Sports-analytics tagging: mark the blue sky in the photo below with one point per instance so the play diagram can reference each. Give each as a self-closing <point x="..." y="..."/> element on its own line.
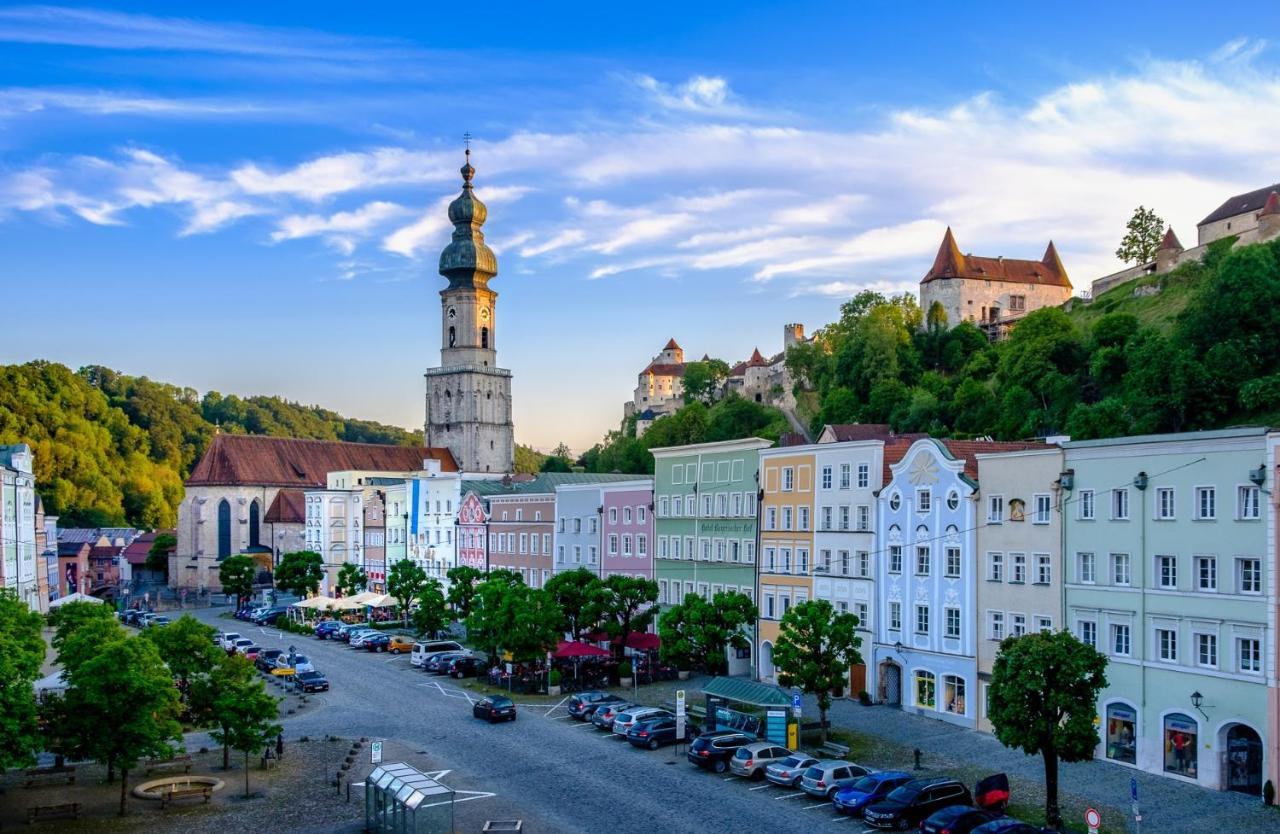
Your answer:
<point x="250" y="197"/>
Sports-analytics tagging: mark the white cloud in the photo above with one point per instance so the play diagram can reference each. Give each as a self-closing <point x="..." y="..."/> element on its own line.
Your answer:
<point x="707" y="94"/>
<point x="569" y="237"/>
<point x="341" y="230"/>
<point x="20" y="101"/>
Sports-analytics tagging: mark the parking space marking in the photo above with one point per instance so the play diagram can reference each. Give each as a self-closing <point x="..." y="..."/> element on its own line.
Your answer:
<point x="580" y="726"/>
<point x="760" y="787"/>
<point x="819" y="805"/>
<point x="560" y="718"/>
<point x="843" y="818"/>
<point x="473" y="795"/>
<point x="557" y="705"/>
<point x="796" y="795"/>
<point x="731" y="778"/>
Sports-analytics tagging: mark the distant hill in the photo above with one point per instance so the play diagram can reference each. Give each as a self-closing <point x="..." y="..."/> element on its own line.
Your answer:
<point x="111" y="448"/>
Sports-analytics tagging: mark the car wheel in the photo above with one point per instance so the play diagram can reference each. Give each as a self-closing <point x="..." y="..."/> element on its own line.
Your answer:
<point x="903" y="825"/>
<point x="513" y="718"/>
<point x="719" y="766"/>
<point x="653" y="744"/>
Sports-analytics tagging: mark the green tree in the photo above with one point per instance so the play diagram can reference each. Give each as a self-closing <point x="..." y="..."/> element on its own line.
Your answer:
<point x="555" y="463"/>
<point x="236" y="575"/>
<point x="233" y="699"/>
<point x="352" y="579"/>
<point x="69" y="617"/>
<point x="82" y="645"/>
<point x="1043" y="700"/>
<point x="698" y="633"/>
<point x="429" y="616"/>
<point x="158" y="555"/>
<point x="126" y="707"/>
<point x="300" y="573"/>
<point x="489" y="621"/>
<point x="575" y="592"/>
<point x="22" y="653"/>
<point x="186" y="647"/>
<point x="1142" y="236"/>
<point x="815" y="648"/>
<point x="533" y="622"/>
<point x="702" y="380"/>
<point x="462" y="588"/>
<point x="404" y="581"/>
<point x="528" y="461"/>
<point x="625" y="604"/>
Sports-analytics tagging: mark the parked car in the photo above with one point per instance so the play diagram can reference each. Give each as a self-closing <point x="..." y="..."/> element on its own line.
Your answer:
<point x="467" y="666"/>
<point x="750" y="761"/>
<point x="240" y="645"/>
<point x="326" y="629"/>
<point x="958" y="819"/>
<point x="360" y="635"/>
<point x="310" y="682"/>
<point x="439" y="665"/>
<point x="790" y="770"/>
<point x="301" y="663"/>
<point x="144" y="621"/>
<point x="494" y="708"/>
<point x="656" y="732"/>
<point x="376" y="642"/>
<point x="266" y="659"/>
<point x="400" y="644"/>
<point x="229" y="639"/>
<point x="823" y="779"/>
<point x="131" y="616"/>
<point x="853" y="799"/>
<point x="917" y="800"/>
<point x="160" y="620"/>
<point x="425" y="648"/>
<point x="1008" y="825"/>
<point x="269" y="616"/>
<point x="581" y="705"/>
<point x="630" y="717"/>
<point x="345" y="631"/>
<point x="714" y="750"/>
<point x="606" y="714"/>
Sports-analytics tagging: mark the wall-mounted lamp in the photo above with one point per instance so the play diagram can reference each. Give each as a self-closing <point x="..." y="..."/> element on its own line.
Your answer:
<point x="1259" y="477"/>
<point x="1140" y="481"/>
<point x="898" y="647"/>
<point x="1196" y="700"/>
<point x="1067" y="480"/>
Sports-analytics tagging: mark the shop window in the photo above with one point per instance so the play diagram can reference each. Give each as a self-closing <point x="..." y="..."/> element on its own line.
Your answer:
<point x="925" y="689"/>
<point x="1180" y="745"/>
<point x="1122" y="733"/>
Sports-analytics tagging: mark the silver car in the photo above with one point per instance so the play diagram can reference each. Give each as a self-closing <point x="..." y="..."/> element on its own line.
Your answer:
<point x="750" y="761"/>
<point x="824" y="778"/>
<point x="790" y="770"/>
<point x="358" y="637"/>
<point x="628" y="719"/>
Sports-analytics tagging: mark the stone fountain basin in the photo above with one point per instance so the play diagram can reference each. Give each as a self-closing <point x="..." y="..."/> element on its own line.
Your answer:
<point x="157" y="788"/>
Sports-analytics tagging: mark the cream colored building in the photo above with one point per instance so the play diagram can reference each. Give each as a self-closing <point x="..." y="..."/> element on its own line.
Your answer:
<point x="1020" y="566"/>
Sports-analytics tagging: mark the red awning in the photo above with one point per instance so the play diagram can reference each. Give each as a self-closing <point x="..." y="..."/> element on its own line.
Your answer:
<point x="643" y="641"/>
<point x="570" y="648"/>
<point x="599" y="637"/>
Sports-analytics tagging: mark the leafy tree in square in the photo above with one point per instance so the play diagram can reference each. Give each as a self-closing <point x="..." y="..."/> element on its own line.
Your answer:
<point x="236" y="576"/>
<point x="429" y="615"/>
<point x="575" y="592"/>
<point x="187" y="648"/>
<point x="352" y="579"/>
<point x="404" y="581"/>
<point x="815" y="648"/>
<point x="625" y="604"/>
<point x="234" y="700"/>
<point x="300" y="573"/>
<point x="698" y="633"/>
<point x="462" y="588"/>
<point x="21" y="656"/>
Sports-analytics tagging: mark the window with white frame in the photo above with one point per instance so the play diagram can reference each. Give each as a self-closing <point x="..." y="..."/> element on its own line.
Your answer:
<point x="1018" y="567"/>
<point x="1167" y="571"/>
<point x="995" y="509"/>
<point x="1248" y="507"/>
<point x="720" y="550"/>
<point x="524" y="542"/>
<point x="577" y="525"/>
<point x="664" y="507"/>
<point x="770" y="559"/>
<point x="922" y="619"/>
<point x="593" y="554"/>
<point x="706" y="550"/>
<point x="995" y="625"/>
<point x="1017" y="625"/>
<point x="864" y="476"/>
<point x="1249" y="576"/>
<point x="824" y="560"/>
<point x="1120" y="643"/>
<point x="722" y="503"/>
<point x="860" y="611"/>
<point x="924" y="500"/>
<point x="922" y="560"/>
<point x="1249" y="655"/>
<point x="826" y="518"/>
<point x="690" y="506"/>
<point x="864" y="564"/>
<point x="1043" y="507"/>
<point x="844" y="517"/>
<point x="826" y="477"/>
<point x="1087" y="631"/>
<point x="1167" y="644"/>
<point x="546" y="542"/>
<point x="707" y="498"/>
<point x="1206" y="503"/>
<point x="1044" y="569"/>
<point x="1166" y="506"/>
<point x="626" y="515"/>
<point x="1207" y="650"/>
<point x="664" y="548"/>
<point x="735" y="551"/>
<point x="689" y="552"/>
<point x="844" y="476"/>
<point x="768" y="605"/>
<point x="594" y="528"/>
<point x="613" y="544"/>
<point x="736" y="505"/>
<point x="788" y="479"/>
<point x="771" y="518"/>
<point x="1044" y="625"/>
<point x="1085" y="505"/>
<point x="895" y="616"/>
<point x="952" y="555"/>
<point x="677" y="474"/>
<point x="1120" y="504"/>
<point x="895" y="558"/>
<point x="786" y="518"/>
<point x="626" y="544"/>
<point x="749" y="549"/>
<point x="577" y="553"/>
<point x="952" y="619"/>
<point x="864" y="518"/>
<point x="749" y="510"/>
<point x="1120" y="569"/>
<point x="1206" y="573"/>
<point x="662" y="587"/>
<point x="784" y="559"/>
<point x="1086" y="568"/>
<point x="804" y="518"/>
<point x="995" y="566"/>
<point x="613" y="515"/>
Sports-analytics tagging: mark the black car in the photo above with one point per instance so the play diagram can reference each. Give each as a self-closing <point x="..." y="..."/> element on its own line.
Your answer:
<point x="957" y="819"/>
<point x="584" y="703"/>
<point x="917" y="800"/>
<point x="494" y="708"/>
<point x="660" y="731"/>
<point x="467" y="667"/>
<point x="310" y="682"/>
<point x="266" y="659"/>
<point x="376" y="643"/>
<point x="713" y="750"/>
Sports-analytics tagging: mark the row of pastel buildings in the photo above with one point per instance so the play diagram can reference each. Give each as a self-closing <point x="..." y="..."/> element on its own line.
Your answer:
<point x="1159" y="551"/>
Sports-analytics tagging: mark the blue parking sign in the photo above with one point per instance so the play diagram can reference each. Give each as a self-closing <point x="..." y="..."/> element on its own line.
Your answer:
<point x="795" y="700"/>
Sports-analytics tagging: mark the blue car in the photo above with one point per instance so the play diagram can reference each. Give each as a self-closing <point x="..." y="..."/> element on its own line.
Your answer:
<point x="1008" y="825"/>
<point x="870" y="788"/>
<point x="326" y="629"/>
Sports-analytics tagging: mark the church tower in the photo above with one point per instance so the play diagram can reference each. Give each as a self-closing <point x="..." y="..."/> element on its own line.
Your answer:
<point x="469" y="396"/>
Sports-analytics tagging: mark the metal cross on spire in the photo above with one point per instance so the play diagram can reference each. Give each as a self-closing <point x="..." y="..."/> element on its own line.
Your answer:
<point x="466" y="141"/>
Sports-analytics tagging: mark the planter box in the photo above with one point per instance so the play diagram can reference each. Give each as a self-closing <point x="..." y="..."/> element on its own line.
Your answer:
<point x="553" y="690"/>
<point x="624" y="682"/>
<point x="683" y="674"/>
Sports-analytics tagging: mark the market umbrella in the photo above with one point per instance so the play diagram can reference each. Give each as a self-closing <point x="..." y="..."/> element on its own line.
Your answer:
<point x="643" y="641"/>
<point x="574" y="649"/>
<point x="321" y="601"/>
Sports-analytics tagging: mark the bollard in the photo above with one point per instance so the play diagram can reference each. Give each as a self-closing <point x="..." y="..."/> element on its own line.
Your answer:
<point x="917" y="758"/>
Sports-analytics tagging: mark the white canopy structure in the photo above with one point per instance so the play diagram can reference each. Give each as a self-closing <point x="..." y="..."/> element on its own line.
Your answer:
<point x="76" y="597"/>
<point x="319" y="602"/>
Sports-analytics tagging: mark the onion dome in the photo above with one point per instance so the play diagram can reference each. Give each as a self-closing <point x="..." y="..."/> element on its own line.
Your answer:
<point x="467" y="261"/>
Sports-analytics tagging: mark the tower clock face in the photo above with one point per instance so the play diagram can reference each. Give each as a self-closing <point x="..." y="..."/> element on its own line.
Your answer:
<point x="484" y="313"/>
<point x="452" y="313"/>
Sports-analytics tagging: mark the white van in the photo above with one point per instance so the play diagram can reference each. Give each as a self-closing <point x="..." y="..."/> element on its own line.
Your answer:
<point x="424" y="649"/>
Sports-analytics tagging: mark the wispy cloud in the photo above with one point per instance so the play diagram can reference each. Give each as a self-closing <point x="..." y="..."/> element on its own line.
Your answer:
<point x="341" y="230"/>
<point x="17" y="100"/>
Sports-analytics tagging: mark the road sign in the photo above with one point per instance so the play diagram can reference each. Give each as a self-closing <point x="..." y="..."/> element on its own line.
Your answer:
<point x="1092" y="819"/>
<point x="795" y="700"/>
<point x="1133" y="788"/>
<point x="375" y="752"/>
<point x="680" y="715"/>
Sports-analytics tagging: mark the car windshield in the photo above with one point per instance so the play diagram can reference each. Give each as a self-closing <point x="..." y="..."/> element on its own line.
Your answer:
<point x="309" y="676"/>
<point x="906" y="793"/>
<point x="814" y="772"/>
<point x="501" y="702"/>
<point x="743" y="753"/>
<point x="866" y="784"/>
<point x="791" y="761"/>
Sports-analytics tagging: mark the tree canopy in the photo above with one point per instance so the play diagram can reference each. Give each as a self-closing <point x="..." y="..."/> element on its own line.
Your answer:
<point x="697" y="633"/>
<point x="21" y="656"/>
<point x="300" y="572"/>
<point x="404" y="581"/>
<point x="236" y="574"/>
<point x="815" y="648"/>
<point x="1142" y="236"/>
<point x="429" y="616"/>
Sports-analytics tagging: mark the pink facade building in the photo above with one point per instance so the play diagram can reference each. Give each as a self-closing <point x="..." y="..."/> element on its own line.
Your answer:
<point x="473" y="549"/>
<point x="627" y="528"/>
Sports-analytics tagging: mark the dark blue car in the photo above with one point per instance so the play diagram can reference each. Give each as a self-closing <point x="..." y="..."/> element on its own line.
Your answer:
<point x="868" y="789"/>
<point x="326" y="629"/>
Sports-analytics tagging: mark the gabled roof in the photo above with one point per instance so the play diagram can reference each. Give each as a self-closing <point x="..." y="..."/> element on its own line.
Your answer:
<point x="1170" y="241"/>
<point x="967" y="449"/>
<point x="242" y="459"/>
<point x="1241" y="203"/>
<point x="288" y="507"/>
<point x="664" y="369"/>
<point x="844" y="432"/>
<point x="140" y="548"/>
<point x="671" y="345"/>
<point x="949" y="263"/>
<point x="73" y="548"/>
<point x="1272" y="206"/>
<point x="544" y="483"/>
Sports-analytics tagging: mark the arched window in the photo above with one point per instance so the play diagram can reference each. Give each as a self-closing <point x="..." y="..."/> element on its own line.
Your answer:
<point x="484" y="337"/>
<point x="1122" y="733"/>
<point x="453" y="336"/>
<point x="925" y="685"/>
<point x="224" y="529"/>
<point x="953" y="692"/>
<point x="255" y="539"/>
<point x="1180" y="733"/>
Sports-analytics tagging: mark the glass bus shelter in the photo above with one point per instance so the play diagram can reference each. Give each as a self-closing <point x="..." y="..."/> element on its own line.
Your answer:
<point x="399" y="799"/>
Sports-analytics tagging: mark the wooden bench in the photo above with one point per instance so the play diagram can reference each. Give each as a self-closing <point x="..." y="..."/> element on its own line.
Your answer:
<point x="37" y="772"/>
<point x="44" y="812"/>
<point x="175" y="794"/>
<point x="183" y="761"/>
<point x="836" y="751"/>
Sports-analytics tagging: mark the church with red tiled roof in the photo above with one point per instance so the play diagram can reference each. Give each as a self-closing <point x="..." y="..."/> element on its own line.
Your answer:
<point x="992" y="293"/>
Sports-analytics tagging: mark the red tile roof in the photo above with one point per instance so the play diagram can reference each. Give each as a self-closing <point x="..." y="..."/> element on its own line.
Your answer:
<point x="1272" y="205"/>
<point x="949" y="263"/>
<point x="240" y="459"/>
<point x="869" y="431"/>
<point x="671" y="345"/>
<point x="288" y="507"/>
<point x="966" y="449"/>
<point x="1170" y="241"/>
<point x="664" y="369"/>
<point x="140" y="548"/>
